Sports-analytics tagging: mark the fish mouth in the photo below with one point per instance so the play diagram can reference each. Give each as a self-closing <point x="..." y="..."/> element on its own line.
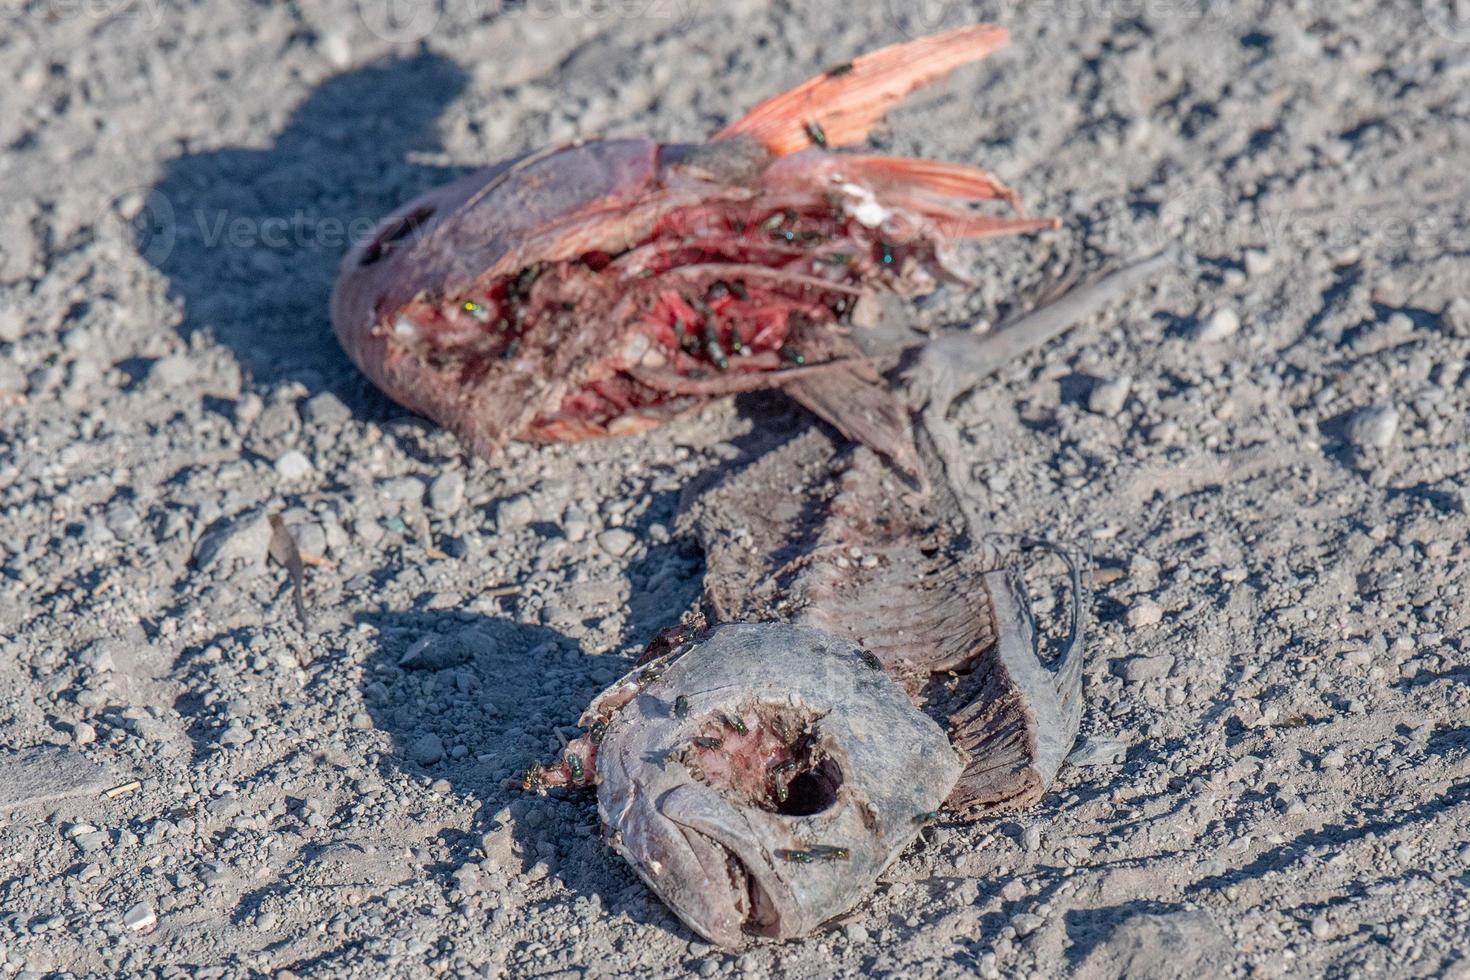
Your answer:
<point x="773" y="758"/>
<point x="766" y="780"/>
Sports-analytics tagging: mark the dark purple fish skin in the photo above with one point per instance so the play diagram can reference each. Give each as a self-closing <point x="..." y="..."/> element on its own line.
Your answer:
<point x="732" y="866"/>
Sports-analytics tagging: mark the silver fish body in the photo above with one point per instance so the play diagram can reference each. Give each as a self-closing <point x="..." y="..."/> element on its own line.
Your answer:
<point x="707" y="829"/>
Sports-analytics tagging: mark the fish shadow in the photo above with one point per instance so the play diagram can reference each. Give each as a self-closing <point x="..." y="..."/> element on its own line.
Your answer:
<point x="487" y="696"/>
<point x="250" y="239"/>
<point x="471" y="699"/>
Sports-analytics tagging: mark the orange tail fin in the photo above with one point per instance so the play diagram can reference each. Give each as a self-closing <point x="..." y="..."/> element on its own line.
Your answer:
<point x="943" y="191"/>
<point x="987" y="226"/>
<point x="840" y="107"/>
<point x="957" y="181"/>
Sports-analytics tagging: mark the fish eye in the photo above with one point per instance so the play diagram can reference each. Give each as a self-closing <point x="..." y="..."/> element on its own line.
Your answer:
<point x="813" y="790"/>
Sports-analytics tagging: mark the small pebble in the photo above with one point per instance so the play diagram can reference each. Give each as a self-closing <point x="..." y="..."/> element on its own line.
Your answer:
<point x="514" y="512"/>
<point x="1321" y="928"/>
<point x="244" y="538"/>
<point x="1026" y="923"/>
<point x="12" y="325"/>
<point x="1221" y="325"/>
<point x="855" y="932"/>
<point x="140" y="917"/>
<point x="446" y="492"/>
<point x="325" y="409"/>
<point x="1145" y="613"/>
<point x="248" y="408"/>
<point x="1108" y="397"/>
<point x="1143" y="670"/>
<point x="172" y="371"/>
<point x="404" y="489"/>
<point x="293" y="465"/>
<point x="1374" y="427"/>
<point x="1333" y="760"/>
<point x="336" y="49"/>
<point x="427" y="750"/>
<point x="616" y="541"/>
<point x="1258" y="262"/>
<point x="235" y="734"/>
<point x="1097" y="751"/>
<point x="266" y="920"/>
<point x="1456" y="317"/>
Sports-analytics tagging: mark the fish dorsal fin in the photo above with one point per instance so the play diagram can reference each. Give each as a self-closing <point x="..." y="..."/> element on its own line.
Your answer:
<point x="841" y="106"/>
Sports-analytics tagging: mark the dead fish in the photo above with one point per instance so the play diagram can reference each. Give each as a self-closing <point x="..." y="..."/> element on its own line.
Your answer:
<point x="846" y="573"/>
<point x="698" y="817"/>
<point x="603" y="287"/>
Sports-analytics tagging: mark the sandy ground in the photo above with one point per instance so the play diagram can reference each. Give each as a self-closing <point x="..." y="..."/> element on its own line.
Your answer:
<point x="1266" y="453"/>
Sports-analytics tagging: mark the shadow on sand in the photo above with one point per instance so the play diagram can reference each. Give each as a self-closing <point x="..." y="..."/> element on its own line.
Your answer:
<point x="250" y="239"/>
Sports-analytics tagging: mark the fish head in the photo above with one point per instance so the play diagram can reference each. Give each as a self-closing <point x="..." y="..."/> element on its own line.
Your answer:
<point x="762" y="784"/>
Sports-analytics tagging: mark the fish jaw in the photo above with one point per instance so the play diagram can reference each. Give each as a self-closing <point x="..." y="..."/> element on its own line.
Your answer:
<point x="704" y="824"/>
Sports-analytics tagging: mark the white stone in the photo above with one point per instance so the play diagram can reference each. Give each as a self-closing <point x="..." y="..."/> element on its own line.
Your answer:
<point x="1220" y="325"/>
<point x="293" y="465"/>
<point x="140" y="917"/>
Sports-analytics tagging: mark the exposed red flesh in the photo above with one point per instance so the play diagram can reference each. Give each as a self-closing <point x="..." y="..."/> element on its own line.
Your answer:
<point x="601" y="287"/>
<point x="714" y="292"/>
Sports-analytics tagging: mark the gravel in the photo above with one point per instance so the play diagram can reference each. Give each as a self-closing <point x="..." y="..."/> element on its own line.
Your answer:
<point x="307" y="800"/>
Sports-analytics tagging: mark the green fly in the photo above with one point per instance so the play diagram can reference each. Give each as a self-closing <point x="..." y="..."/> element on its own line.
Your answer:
<point x="712" y="345"/>
<point x="681" y="707"/>
<point x="706" y="742"/>
<point x="574" y="763"/>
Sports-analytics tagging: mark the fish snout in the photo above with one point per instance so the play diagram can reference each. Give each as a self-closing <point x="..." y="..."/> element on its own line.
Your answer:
<point x="766" y="779"/>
